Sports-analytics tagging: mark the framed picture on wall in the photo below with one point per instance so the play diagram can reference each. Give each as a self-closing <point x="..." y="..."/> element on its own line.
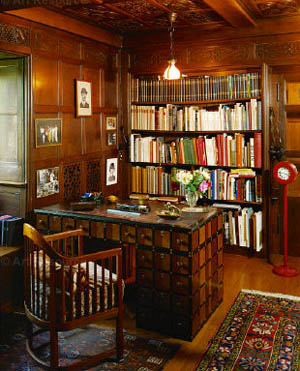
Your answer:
<point x="83" y="98"/>
<point x="48" y="132"/>
<point x="111" y="171"/>
<point x="111" y="123"/>
<point x="47" y="182"/>
<point x="111" y="139"/>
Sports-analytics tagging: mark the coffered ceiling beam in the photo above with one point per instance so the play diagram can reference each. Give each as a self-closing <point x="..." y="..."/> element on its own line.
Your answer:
<point x="232" y="12"/>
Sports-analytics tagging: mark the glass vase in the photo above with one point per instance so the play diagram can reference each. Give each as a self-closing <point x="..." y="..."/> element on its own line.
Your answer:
<point x="191" y="198"/>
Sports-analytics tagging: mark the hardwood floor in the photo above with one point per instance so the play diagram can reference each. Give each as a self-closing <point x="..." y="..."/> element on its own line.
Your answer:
<point x="240" y="273"/>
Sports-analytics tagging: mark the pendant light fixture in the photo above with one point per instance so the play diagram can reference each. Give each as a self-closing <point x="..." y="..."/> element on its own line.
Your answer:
<point x="172" y="72"/>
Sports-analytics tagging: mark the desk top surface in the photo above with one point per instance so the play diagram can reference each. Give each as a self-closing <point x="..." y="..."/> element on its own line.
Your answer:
<point x="187" y="220"/>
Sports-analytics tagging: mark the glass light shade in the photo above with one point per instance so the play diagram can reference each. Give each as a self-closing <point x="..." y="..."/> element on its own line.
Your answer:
<point x="172" y="72"/>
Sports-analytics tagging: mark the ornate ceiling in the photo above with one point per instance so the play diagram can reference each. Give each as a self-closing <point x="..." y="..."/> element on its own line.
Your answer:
<point x="127" y="16"/>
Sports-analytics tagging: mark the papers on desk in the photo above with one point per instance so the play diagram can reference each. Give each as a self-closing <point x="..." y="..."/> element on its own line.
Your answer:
<point x="122" y="212"/>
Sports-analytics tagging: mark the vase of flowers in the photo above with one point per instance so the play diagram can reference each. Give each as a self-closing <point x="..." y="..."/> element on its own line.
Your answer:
<point x="196" y="184"/>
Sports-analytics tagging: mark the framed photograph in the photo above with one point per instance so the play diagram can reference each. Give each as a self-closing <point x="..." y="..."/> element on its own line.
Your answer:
<point x="111" y="171"/>
<point x="48" y="132"/>
<point x="47" y="182"/>
<point x="111" y="123"/>
<point x="83" y="98"/>
<point x="111" y="139"/>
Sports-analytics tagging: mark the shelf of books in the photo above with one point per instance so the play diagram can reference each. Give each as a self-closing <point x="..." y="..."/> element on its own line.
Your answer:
<point x="205" y="122"/>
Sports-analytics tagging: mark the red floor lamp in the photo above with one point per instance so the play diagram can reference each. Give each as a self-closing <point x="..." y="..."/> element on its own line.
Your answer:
<point x="284" y="173"/>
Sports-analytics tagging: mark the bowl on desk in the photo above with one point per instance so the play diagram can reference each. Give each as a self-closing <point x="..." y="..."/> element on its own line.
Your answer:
<point x="165" y="214"/>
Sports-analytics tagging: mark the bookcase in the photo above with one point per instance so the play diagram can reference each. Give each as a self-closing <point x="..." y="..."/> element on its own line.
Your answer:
<point x="214" y="122"/>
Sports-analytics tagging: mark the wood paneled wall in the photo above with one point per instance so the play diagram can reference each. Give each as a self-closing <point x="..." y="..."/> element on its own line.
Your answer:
<point x="57" y="59"/>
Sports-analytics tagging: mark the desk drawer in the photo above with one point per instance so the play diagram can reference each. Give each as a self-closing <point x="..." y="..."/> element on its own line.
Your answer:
<point x="84" y="225"/>
<point x="144" y="236"/>
<point x="145" y="277"/>
<point x="162" y="281"/>
<point x="54" y="223"/>
<point x="42" y="222"/>
<point x="162" y="261"/>
<point x="128" y="233"/>
<point x="180" y="241"/>
<point x="97" y="229"/>
<point x="162" y="239"/>
<point x="112" y="232"/>
<point x="68" y="224"/>
<point x="144" y="258"/>
<point x="161" y="300"/>
<point x="180" y="264"/>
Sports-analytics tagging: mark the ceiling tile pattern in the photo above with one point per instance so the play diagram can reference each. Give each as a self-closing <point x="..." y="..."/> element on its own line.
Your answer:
<point x="127" y="16"/>
<point x="279" y="8"/>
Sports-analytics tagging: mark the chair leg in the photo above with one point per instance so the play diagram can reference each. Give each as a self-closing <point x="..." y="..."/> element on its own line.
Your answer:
<point x="53" y="349"/>
<point x="120" y="336"/>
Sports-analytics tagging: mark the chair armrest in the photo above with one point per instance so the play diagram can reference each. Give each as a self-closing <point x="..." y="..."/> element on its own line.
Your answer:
<point x="63" y="235"/>
<point x="92" y="257"/>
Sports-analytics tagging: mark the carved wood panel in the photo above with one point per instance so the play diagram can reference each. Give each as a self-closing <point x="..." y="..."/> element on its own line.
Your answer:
<point x="72" y="182"/>
<point x="93" y="176"/>
<point x="14" y="34"/>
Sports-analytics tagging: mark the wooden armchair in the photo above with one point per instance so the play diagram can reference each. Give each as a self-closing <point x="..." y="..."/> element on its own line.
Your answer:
<point x="65" y="289"/>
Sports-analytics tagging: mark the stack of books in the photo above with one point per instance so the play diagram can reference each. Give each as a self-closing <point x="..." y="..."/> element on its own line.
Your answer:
<point x="11" y="230"/>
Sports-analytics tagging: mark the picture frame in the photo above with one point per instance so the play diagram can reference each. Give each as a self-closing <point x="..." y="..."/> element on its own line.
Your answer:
<point x="48" y="132"/>
<point x="111" y="171"/>
<point x="111" y="122"/>
<point x="83" y="98"/>
<point x="47" y="182"/>
<point x="111" y="139"/>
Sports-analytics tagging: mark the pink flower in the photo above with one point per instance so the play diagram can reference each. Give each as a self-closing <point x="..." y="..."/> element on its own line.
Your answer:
<point x="204" y="186"/>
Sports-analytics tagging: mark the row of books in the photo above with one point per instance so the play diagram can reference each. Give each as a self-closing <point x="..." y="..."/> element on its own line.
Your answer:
<point x="246" y="116"/>
<point x="231" y="186"/>
<point x="244" y="228"/>
<point x="11" y="230"/>
<point x="200" y="88"/>
<point x="235" y="186"/>
<point x="235" y="150"/>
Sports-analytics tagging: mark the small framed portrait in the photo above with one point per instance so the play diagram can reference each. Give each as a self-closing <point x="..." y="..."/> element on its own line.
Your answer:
<point x="48" y="132"/>
<point x="111" y="123"/>
<point x="111" y="139"/>
<point x="47" y="182"/>
<point x="111" y="171"/>
<point x="83" y="98"/>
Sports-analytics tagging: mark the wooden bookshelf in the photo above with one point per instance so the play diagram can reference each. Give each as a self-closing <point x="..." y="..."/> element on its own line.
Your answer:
<point x="147" y="172"/>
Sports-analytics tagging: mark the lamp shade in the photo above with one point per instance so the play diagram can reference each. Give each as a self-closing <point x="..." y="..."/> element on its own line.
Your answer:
<point x="172" y="72"/>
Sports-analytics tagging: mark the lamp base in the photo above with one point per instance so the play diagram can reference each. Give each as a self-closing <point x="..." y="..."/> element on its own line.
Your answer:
<point x="285" y="271"/>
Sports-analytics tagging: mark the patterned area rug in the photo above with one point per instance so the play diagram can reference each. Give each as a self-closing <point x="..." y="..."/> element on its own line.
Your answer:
<point x="260" y="332"/>
<point x="140" y="353"/>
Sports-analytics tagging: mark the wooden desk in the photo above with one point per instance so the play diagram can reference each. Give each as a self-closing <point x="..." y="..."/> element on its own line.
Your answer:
<point x="179" y="263"/>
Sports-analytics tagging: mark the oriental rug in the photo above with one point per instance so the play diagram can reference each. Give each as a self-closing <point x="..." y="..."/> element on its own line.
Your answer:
<point x="260" y="332"/>
<point x="143" y="354"/>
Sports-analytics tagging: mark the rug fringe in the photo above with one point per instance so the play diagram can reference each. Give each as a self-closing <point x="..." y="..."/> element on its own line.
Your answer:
<point x="272" y="294"/>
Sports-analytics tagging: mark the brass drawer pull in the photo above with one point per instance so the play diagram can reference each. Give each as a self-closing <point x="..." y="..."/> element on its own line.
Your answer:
<point x="162" y="233"/>
<point x="41" y="221"/>
<point x="162" y="256"/>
